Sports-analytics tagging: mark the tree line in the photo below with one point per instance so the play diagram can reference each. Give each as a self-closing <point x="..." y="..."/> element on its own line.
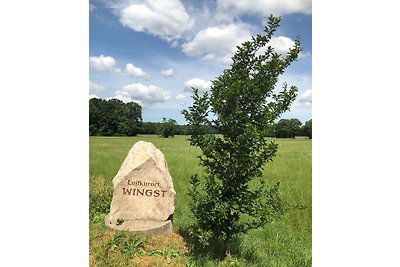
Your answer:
<point x="290" y="128"/>
<point x="169" y="127"/>
<point x="115" y="118"/>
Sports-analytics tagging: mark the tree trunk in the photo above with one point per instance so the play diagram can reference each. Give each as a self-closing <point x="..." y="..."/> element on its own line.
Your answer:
<point x="227" y="250"/>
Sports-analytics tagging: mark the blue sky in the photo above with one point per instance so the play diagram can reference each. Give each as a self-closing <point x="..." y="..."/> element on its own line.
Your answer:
<point x="153" y="51"/>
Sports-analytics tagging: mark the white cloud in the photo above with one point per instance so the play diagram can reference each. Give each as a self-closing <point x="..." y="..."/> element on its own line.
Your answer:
<point x="134" y="71"/>
<point x="95" y="88"/>
<point x="145" y="95"/>
<point x="124" y="99"/>
<point x="198" y="83"/>
<point x="218" y="43"/>
<point x="281" y="44"/>
<point x="102" y="63"/>
<point x="304" y="54"/>
<point x="181" y="99"/>
<point x="304" y="101"/>
<point x="166" y="19"/>
<point x="306" y="97"/>
<point x="168" y="73"/>
<point x="92" y="7"/>
<point x="263" y="7"/>
<point x="93" y="96"/>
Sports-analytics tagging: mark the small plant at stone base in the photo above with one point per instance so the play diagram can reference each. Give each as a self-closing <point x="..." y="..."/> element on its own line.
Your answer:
<point x="125" y="245"/>
<point x="168" y="253"/>
<point x="233" y="198"/>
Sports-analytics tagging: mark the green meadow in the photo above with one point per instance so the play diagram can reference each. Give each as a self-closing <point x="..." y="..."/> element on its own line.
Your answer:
<point x="284" y="242"/>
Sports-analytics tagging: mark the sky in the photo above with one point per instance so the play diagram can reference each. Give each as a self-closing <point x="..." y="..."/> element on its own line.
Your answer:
<point x="154" y="51"/>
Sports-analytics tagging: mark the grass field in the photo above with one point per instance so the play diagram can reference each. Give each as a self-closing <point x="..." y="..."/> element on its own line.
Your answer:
<point x="285" y="242"/>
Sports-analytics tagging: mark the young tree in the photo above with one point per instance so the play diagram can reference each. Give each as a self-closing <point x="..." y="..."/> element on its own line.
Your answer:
<point x="240" y="106"/>
<point x="167" y="128"/>
<point x="149" y="127"/>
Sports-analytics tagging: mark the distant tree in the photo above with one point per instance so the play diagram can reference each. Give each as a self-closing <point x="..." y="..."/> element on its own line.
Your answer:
<point x="114" y="118"/>
<point x="241" y="103"/>
<point x="182" y="129"/>
<point x="96" y="118"/>
<point x="149" y="127"/>
<point x="133" y="117"/>
<point x="307" y="129"/>
<point x="167" y="128"/>
<point x="287" y="128"/>
<point x="296" y="126"/>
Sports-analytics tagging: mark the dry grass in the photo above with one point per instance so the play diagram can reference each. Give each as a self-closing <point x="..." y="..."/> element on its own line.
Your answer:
<point x="156" y="260"/>
<point x="112" y="248"/>
<point x="167" y="240"/>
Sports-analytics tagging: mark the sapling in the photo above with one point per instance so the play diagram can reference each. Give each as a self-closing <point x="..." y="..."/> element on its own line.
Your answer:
<point x="232" y="198"/>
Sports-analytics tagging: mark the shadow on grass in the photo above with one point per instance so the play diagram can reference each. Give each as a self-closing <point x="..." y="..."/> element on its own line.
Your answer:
<point x="215" y="251"/>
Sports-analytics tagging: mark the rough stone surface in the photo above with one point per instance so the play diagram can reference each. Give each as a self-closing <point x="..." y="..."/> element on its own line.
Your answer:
<point x="144" y="195"/>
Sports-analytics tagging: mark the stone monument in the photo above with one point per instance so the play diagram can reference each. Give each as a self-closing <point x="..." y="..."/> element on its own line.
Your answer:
<point x="144" y="195"/>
